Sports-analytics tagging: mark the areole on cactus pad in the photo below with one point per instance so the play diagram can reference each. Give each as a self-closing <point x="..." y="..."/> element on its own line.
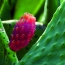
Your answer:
<point x="23" y="32"/>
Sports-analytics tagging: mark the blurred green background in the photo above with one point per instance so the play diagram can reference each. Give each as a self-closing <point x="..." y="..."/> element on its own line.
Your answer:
<point x="43" y="10"/>
<point x="14" y="9"/>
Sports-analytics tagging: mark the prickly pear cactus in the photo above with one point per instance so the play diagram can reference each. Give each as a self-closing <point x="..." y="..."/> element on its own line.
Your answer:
<point x="48" y="50"/>
<point x="50" y="47"/>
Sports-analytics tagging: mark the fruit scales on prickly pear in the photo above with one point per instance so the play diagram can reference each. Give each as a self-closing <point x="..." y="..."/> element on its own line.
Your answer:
<point x="22" y="32"/>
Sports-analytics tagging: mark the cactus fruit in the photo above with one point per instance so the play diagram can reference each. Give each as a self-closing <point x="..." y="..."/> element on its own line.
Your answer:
<point x="50" y="47"/>
<point x="9" y="25"/>
<point x="22" y="32"/>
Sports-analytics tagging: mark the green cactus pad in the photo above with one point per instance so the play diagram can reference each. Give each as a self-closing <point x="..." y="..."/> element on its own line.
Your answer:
<point x="2" y="60"/>
<point x="50" y="47"/>
<point x="9" y="56"/>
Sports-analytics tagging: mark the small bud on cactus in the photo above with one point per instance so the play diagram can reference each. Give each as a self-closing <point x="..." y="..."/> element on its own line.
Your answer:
<point x="22" y="32"/>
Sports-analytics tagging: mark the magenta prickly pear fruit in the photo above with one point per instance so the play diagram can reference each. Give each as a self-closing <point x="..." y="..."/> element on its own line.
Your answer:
<point x="22" y="32"/>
